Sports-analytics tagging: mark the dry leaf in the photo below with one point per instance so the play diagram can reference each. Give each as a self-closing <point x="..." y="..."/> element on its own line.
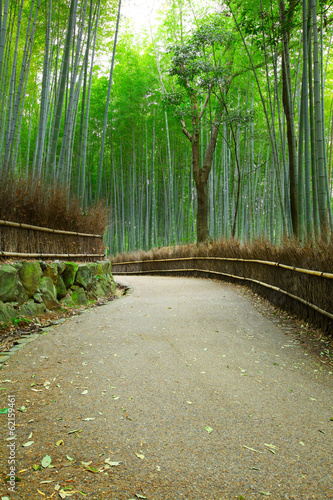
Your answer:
<point x="252" y="449"/>
<point x="113" y="464"/>
<point x="29" y="443"/>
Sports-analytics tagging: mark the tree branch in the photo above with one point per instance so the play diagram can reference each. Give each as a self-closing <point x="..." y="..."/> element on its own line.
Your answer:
<point x="185" y="131"/>
<point x="204" y="106"/>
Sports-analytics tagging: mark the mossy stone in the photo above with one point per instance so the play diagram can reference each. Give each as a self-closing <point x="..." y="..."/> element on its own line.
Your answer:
<point x="8" y="283"/>
<point x="61" y="288"/>
<point x="17" y="265"/>
<point x="51" y="270"/>
<point x="32" y="308"/>
<point x="60" y="265"/>
<point x="49" y="293"/>
<point x="86" y="275"/>
<point x="100" y="269"/>
<point x="102" y="286"/>
<point x="30" y="275"/>
<point x="38" y="298"/>
<point x="79" y="296"/>
<point x="67" y="301"/>
<point x="7" y="313"/>
<point x="69" y="273"/>
<point x="83" y="276"/>
<point x="106" y="266"/>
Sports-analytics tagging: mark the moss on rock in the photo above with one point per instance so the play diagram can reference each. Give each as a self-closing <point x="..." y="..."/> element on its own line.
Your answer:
<point x="30" y="275"/>
<point x="69" y="273"/>
<point x="79" y="296"/>
<point x="49" y="293"/>
<point x="7" y="313"/>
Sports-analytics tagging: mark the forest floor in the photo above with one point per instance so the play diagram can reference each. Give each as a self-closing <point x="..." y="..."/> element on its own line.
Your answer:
<point x="184" y="389"/>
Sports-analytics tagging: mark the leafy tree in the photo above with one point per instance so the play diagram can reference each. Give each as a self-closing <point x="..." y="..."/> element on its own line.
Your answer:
<point x="202" y="66"/>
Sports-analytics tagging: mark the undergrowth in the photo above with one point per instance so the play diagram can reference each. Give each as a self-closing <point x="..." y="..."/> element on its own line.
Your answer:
<point x="30" y="201"/>
<point x="317" y="256"/>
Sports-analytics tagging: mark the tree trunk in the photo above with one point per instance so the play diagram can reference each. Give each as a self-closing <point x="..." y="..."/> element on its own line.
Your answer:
<point x="289" y="113"/>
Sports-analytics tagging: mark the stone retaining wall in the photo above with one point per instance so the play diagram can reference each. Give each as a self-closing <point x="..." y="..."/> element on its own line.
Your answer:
<point x="32" y="288"/>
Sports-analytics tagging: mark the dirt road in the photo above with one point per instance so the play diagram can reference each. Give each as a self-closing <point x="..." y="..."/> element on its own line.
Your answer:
<point x="180" y="390"/>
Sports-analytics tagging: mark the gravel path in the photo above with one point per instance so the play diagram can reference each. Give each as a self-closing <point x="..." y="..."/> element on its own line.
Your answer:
<point x="180" y="390"/>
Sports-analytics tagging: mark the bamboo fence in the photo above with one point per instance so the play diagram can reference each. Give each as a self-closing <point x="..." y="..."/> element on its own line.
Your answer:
<point x="24" y="241"/>
<point x="305" y="292"/>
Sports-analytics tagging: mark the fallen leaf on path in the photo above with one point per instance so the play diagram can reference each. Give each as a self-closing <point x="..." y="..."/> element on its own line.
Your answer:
<point x="266" y="493"/>
<point x="69" y="458"/>
<point x="252" y="449"/>
<point x="139" y="455"/>
<point x="4" y="411"/>
<point x="113" y="464"/>
<point x="91" y="469"/>
<point x="88" y="419"/>
<point x="84" y="392"/>
<point x="22" y="409"/>
<point x="86" y="464"/>
<point x="208" y="429"/>
<point x="65" y="494"/>
<point x="46" y="461"/>
<point x="41" y="493"/>
<point x="60" y="442"/>
<point x="29" y="443"/>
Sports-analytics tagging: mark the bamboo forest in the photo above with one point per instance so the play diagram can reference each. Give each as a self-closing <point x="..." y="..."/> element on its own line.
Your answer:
<point x="213" y="119"/>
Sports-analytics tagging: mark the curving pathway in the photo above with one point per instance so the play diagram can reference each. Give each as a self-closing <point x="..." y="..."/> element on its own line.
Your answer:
<point x="180" y="390"/>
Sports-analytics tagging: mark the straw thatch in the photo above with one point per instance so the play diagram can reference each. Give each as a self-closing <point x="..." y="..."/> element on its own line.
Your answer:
<point x="26" y="241"/>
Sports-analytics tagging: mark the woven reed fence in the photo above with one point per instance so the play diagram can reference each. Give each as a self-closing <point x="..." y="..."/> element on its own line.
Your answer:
<point x="304" y="292"/>
<point x="24" y="241"/>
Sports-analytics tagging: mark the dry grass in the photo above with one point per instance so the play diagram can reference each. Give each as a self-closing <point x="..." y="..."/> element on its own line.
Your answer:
<point x="315" y="290"/>
<point x="31" y="202"/>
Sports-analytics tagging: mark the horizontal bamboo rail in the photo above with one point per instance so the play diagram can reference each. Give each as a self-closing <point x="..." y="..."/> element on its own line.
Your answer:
<point x="50" y="255"/>
<point x="47" y="230"/>
<point x="242" y="278"/>
<point x="25" y="241"/>
<point x="232" y="259"/>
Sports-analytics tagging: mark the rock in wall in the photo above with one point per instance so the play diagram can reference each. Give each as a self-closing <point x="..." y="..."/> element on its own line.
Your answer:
<point x="32" y="288"/>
